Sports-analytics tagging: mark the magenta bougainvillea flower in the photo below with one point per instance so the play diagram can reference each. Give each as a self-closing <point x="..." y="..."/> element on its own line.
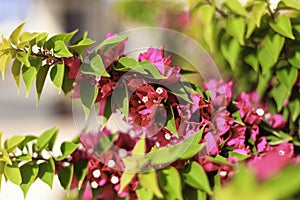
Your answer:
<point x="74" y="65"/>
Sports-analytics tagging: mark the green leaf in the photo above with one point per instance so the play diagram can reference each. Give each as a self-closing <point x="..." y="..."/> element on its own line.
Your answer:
<point x="251" y="26"/>
<point x="81" y="46"/>
<point x="252" y="60"/>
<point x="40" y="80"/>
<point x="28" y="138"/>
<point x="28" y="75"/>
<point x="88" y="95"/>
<point x="230" y="49"/>
<point x="170" y="182"/>
<point x="14" y="37"/>
<point x="41" y="39"/>
<point x="287" y="76"/>
<point x="13" y="142"/>
<point x="126" y="178"/>
<point x="126" y="63"/>
<point x="4" y="156"/>
<point x="95" y="66"/>
<point x="294" y="107"/>
<point x="269" y="52"/>
<point x="235" y="27"/>
<point x="239" y="156"/>
<point x="258" y="10"/>
<point x="140" y="146"/>
<point x="13" y="173"/>
<point x="80" y="170"/>
<point x="67" y="148"/>
<point x="237" y="118"/>
<point x="45" y="138"/>
<point x="65" y="176"/>
<point x="16" y="71"/>
<point x="120" y="98"/>
<point x="2" y="165"/>
<point x="263" y="81"/>
<point x="4" y="62"/>
<point x="194" y="147"/>
<point x="61" y="50"/>
<point x="111" y="42"/>
<point x="170" y="124"/>
<point x="57" y="75"/>
<point x="47" y="172"/>
<point x="26" y="157"/>
<point x="196" y="177"/>
<point x="143" y="193"/>
<point x="291" y="4"/>
<point x="283" y="26"/>
<point x="67" y="85"/>
<point x="149" y="70"/>
<point x="280" y="94"/>
<point x="169" y="154"/>
<point x="236" y="7"/>
<point x="26" y="38"/>
<point x="29" y="173"/>
<point x="149" y="181"/>
<point x="277" y="187"/>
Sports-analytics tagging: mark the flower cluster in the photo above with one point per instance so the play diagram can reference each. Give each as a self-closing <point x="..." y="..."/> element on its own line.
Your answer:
<point x="233" y="130"/>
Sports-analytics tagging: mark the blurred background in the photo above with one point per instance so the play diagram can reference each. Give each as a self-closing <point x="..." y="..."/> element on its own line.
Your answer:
<point x="21" y="116"/>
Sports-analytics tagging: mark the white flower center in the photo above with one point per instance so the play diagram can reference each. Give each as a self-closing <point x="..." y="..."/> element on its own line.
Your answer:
<point x="122" y="153"/>
<point x="281" y="153"/>
<point x="111" y="163"/>
<point x="94" y="184"/>
<point x="223" y="173"/>
<point x="167" y="136"/>
<point x="159" y="90"/>
<point x="96" y="173"/>
<point x="114" y="179"/>
<point x="145" y="99"/>
<point x="260" y="111"/>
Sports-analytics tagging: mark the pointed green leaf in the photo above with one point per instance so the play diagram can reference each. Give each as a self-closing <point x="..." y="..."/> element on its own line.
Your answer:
<point x="287" y="76"/>
<point x="81" y="46"/>
<point x="41" y="39"/>
<point x="294" y="107"/>
<point x="140" y="146"/>
<point x="259" y="9"/>
<point x="120" y="98"/>
<point x="88" y="95"/>
<point x="251" y="26"/>
<point x="57" y="75"/>
<point x="23" y="58"/>
<point x="291" y="4"/>
<point x="65" y="176"/>
<point x="236" y="7"/>
<point x="80" y="170"/>
<point x="26" y="38"/>
<point x="280" y="94"/>
<point x="47" y="172"/>
<point x="95" y="66"/>
<point x="170" y="182"/>
<point x="67" y="85"/>
<point x="235" y="27"/>
<point x="4" y="156"/>
<point x="149" y="181"/>
<point x="16" y="71"/>
<point x="14" y="37"/>
<point x="144" y="193"/>
<point x="13" y="173"/>
<point x="44" y="139"/>
<point x="126" y="178"/>
<point x="251" y="59"/>
<point x="2" y="165"/>
<point x="13" y="142"/>
<point x="111" y="42"/>
<point x="230" y="49"/>
<point x="170" y="124"/>
<point x="29" y="173"/>
<point x="283" y="26"/>
<point x="40" y="80"/>
<point x="196" y="177"/>
<point x="28" y="75"/>
<point x="67" y="148"/>
<point x="4" y="62"/>
<point x="61" y="50"/>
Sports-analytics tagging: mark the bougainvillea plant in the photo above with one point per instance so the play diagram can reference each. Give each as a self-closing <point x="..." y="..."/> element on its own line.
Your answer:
<point x="184" y="142"/>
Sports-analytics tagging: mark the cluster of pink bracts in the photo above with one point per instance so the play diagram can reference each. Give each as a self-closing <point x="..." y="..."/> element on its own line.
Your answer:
<point x="224" y="130"/>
